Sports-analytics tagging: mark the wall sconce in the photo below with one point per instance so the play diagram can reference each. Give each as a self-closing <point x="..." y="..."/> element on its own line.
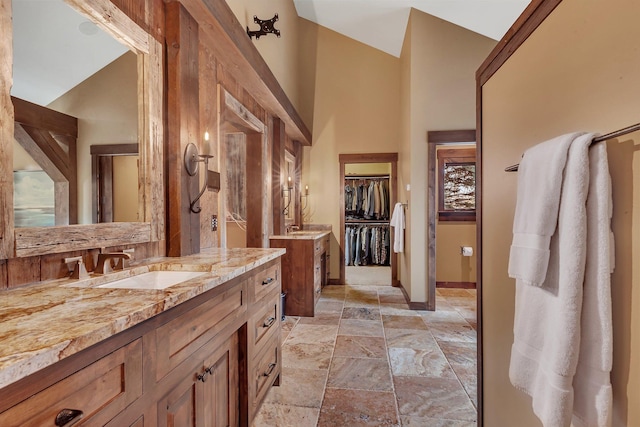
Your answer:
<point x="305" y="198"/>
<point x="286" y="192"/>
<point x="191" y="160"/>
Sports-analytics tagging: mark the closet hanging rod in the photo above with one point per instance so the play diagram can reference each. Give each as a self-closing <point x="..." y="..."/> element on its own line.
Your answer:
<point x="615" y="134"/>
<point x="364" y="221"/>
<point x="367" y="177"/>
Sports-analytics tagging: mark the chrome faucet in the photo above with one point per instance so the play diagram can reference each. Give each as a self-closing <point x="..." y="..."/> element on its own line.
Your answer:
<point x="105" y="266"/>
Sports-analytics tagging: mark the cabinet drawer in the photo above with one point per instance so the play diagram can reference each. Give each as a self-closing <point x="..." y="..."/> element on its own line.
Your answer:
<point x="100" y="390"/>
<point x="266" y="367"/>
<point x="265" y="320"/>
<point x="176" y="340"/>
<point x="266" y="280"/>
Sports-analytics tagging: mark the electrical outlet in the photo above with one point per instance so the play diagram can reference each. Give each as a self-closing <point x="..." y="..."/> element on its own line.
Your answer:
<point x="214" y="222"/>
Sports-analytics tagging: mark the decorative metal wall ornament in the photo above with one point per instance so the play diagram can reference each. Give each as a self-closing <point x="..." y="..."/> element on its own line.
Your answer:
<point x="266" y="27"/>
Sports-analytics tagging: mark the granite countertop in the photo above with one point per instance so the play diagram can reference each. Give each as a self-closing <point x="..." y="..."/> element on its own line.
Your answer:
<point x="301" y="235"/>
<point x="43" y="323"/>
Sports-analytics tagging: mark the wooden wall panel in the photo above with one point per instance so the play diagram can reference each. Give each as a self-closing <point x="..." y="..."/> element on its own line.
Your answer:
<point x="255" y="196"/>
<point x="183" y="226"/>
<point x="23" y="270"/>
<point x="149" y="14"/>
<point x="209" y="123"/>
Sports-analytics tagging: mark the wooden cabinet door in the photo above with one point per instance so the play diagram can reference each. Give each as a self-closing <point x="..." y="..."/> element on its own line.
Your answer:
<point x="221" y="387"/>
<point x="178" y="408"/>
<point x="209" y="396"/>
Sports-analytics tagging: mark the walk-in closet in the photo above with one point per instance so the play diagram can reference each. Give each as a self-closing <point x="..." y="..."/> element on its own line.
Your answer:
<point x="368" y="194"/>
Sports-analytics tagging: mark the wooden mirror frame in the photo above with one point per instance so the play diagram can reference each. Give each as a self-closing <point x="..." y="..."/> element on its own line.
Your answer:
<point x="235" y="117"/>
<point x="25" y="242"/>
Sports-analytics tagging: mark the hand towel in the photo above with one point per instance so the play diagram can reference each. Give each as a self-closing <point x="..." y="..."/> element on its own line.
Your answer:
<point x="536" y="216"/>
<point x="397" y="222"/>
<point x="547" y="319"/>
<point x="592" y="383"/>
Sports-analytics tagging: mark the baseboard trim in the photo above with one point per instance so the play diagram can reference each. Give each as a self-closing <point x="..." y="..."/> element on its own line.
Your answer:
<point x="334" y="282"/>
<point x="456" y="285"/>
<point x="412" y="304"/>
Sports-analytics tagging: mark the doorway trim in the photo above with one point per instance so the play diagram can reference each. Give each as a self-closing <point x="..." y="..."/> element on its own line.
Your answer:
<point x="391" y="158"/>
<point x="435" y="138"/>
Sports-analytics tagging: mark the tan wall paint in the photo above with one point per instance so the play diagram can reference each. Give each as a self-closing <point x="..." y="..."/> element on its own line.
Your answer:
<point x="578" y="71"/>
<point x="451" y="266"/>
<point x="404" y="157"/>
<point x="367" y="168"/>
<point x="106" y="105"/>
<point x="280" y="53"/>
<point x="443" y="61"/>
<point x="125" y="193"/>
<point x="356" y="111"/>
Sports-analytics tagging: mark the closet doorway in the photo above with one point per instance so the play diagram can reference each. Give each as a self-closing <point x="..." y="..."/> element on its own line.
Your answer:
<point x="368" y="194"/>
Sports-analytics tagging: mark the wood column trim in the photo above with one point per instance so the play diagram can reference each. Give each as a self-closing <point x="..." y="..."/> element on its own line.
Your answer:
<point x="299" y="188"/>
<point x="255" y="194"/>
<point x="183" y="127"/>
<point x="6" y="132"/>
<point x="279" y="141"/>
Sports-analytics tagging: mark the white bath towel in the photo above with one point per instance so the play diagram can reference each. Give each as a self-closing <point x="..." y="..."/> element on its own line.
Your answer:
<point x="592" y="383"/>
<point x="536" y="216"/>
<point x="397" y="222"/>
<point x="554" y="332"/>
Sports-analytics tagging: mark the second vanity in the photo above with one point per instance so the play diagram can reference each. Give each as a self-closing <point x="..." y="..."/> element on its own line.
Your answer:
<point x="201" y="352"/>
<point x="305" y="268"/>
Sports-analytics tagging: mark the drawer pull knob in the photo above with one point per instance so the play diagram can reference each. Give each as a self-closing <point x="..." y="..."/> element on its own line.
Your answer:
<point x="68" y="417"/>
<point x="267" y="323"/>
<point x="202" y="377"/>
<point x="267" y="281"/>
<point x="269" y="371"/>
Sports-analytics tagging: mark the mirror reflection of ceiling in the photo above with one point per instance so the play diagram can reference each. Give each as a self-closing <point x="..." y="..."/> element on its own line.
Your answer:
<point x="382" y="23"/>
<point x="55" y="49"/>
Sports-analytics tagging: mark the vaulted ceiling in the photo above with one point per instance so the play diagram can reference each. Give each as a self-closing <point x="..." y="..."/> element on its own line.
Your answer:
<point x="382" y="23"/>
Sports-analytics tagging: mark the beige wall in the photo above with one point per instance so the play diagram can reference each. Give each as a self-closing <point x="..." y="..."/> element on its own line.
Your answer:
<point x="125" y="193"/>
<point x="356" y="111"/>
<point x="367" y="168"/>
<point x="106" y="105"/>
<point x="441" y="64"/>
<point x="579" y="71"/>
<point x="281" y="54"/>
<point x="451" y="266"/>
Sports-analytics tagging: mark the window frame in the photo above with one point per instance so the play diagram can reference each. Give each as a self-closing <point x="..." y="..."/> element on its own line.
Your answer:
<point x="455" y="156"/>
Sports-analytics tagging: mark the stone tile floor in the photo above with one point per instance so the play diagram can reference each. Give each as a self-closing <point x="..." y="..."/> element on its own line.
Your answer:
<point x="365" y="359"/>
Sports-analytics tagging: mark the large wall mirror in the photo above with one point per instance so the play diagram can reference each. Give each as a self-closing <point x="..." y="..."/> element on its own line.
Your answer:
<point x="83" y="85"/>
<point x="64" y="63"/>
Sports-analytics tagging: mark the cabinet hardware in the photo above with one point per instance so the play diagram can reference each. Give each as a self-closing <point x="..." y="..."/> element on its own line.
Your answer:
<point x="202" y="377"/>
<point x="267" y="281"/>
<point x="68" y="417"/>
<point x="267" y="323"/>
<point x="269" y="371"/>
<point x="209" y="370"/>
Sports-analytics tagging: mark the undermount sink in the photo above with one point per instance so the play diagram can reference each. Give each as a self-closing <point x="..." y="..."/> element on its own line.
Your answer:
<point x="153" y="280"/>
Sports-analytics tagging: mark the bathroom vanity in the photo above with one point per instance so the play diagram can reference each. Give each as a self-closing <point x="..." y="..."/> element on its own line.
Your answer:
<point x="203" y="351"/>
<point x="305" y="268"/>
